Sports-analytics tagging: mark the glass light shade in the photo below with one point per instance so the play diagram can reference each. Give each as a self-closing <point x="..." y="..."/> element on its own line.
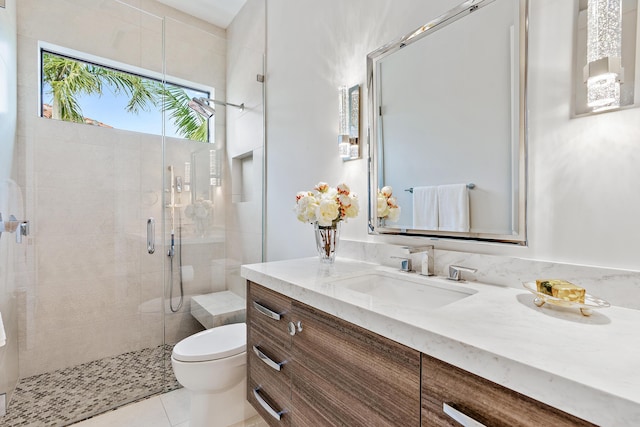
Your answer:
<point x="603" y="92"/>
<point x="604" y="40"/>
<point x="343" y="111"/>
<point x="344" y="146"/>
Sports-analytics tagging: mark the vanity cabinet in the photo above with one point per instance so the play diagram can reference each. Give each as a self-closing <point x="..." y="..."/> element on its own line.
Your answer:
<point x="308" y="368"/>
<point x="334" y="373"/>
<point x="468" y="395"/>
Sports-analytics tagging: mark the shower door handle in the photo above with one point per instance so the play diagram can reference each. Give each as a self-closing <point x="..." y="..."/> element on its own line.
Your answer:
<point x="151" y="235"/>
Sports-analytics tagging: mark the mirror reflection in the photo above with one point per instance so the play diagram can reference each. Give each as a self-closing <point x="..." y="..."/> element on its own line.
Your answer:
<point x="447" y="126"/>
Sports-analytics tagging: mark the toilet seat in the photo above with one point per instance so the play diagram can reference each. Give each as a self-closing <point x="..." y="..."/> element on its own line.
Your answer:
<point x="212" y="344"/>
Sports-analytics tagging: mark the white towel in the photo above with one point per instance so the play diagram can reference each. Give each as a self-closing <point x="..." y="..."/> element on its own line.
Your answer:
<point x="453" y="207"/>
<point x="3" y="336"/>
<point x="425" y="208"/>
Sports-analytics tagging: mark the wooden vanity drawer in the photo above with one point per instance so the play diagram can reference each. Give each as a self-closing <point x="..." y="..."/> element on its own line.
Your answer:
<point x="264" y="354"/>
<point x="262" y="306"/>
<point x="482" y="400"/>
<point x="275" y="391"/>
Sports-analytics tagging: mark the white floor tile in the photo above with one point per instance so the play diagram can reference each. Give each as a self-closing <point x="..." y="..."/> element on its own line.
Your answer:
<point x="176" y="404"/>
<point x="167" y="410"/>
<point x="147" y="413"/>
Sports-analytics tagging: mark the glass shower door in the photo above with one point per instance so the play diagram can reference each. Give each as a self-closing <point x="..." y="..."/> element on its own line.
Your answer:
<point x="90" y="303"/>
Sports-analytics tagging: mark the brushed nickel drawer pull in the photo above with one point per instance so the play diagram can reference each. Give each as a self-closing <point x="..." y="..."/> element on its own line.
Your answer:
<point x="266" y="359"/>
<point x="264" y="310"/>
<point x="266" y="406"/>
<point x="461" y="418"/>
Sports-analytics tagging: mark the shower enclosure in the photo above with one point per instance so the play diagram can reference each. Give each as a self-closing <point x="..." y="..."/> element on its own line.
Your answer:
<point x="126" y="226"/>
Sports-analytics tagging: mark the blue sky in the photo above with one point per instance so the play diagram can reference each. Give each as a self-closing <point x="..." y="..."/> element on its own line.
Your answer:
<point x="110" y="110"/>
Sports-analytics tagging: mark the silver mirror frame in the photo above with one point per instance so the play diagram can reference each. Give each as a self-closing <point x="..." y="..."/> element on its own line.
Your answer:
<point x="519" y="236"/>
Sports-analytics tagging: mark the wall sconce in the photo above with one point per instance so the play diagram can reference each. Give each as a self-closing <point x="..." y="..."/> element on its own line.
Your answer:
<point x="349" y="122"/>
<point x="603" y="72"/>
<point x="605" y="49"/>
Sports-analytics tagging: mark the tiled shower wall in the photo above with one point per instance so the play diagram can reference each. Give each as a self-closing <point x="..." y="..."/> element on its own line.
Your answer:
<point x="89" y="190"/>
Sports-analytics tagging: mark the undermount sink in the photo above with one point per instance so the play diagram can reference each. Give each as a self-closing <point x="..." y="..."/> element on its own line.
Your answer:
<point x="379" y="290"/>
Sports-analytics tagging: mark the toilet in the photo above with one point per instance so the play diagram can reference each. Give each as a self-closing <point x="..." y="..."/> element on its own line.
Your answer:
<point x="211" y="365"/>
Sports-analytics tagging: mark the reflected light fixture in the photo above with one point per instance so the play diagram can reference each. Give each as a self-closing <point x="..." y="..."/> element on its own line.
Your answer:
<point x="343" y="123"/>
<point x="603" y="73"/>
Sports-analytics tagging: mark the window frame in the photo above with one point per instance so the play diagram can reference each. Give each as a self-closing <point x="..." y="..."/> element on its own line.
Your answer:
<point x="45" y="47"/>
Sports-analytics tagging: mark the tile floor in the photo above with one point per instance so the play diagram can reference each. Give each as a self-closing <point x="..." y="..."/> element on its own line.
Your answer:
<point x="166" y="410"/>
<point x="61" y="397"/>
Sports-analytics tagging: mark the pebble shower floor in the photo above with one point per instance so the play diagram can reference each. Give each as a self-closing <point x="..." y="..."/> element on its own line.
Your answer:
<point x="69" y="395"/>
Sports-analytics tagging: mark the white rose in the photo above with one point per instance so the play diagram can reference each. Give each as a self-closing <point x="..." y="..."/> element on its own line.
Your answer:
<point x="322" y="187"/>
<point x="353" y="209"/>
<point x="344" y="200"/>
<point x="306" y="207"/>
<point x="327" y="211"/>
<point x="387" y="191"/>
<point x="343" y="189"/>
<point x="383" y="208"/>
<point x="394" y="214"/>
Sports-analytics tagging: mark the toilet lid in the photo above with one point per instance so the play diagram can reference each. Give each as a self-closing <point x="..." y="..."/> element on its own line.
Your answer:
<point x="212" y="344"/>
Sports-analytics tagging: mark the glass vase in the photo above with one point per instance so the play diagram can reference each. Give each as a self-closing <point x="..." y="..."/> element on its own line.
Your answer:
<point x="327" y="239"/>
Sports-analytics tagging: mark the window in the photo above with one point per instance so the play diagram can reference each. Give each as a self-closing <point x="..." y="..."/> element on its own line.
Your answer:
<point x="76" y="90"/>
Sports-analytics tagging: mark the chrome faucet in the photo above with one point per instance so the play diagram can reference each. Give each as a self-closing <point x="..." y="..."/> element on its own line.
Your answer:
<point x="456" y="270"/>
<point x="426" y="263"/>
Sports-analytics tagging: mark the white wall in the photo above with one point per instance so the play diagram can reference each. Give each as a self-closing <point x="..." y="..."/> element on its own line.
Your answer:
<point x="582" y="204"/>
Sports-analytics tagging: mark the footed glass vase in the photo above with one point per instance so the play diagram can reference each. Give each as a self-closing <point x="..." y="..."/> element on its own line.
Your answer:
<point x="327" y="239"/>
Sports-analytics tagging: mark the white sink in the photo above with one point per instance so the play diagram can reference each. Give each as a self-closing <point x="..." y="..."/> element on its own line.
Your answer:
<point x="380" y="290"/>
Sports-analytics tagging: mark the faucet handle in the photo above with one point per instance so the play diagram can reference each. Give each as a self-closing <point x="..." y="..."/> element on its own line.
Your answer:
<point x="405" y="264"/>
<point x="455" y="270"/>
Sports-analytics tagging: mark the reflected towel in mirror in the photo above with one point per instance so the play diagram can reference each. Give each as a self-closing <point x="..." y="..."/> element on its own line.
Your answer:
<point x="425" y="208"/>
<point x="453" y="207"/>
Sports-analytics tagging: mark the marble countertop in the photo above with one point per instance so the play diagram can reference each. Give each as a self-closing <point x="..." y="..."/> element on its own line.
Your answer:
<point x="586" y="366"/>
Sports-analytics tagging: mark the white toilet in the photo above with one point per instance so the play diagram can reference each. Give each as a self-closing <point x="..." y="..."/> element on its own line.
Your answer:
<point x="212" y="366"/>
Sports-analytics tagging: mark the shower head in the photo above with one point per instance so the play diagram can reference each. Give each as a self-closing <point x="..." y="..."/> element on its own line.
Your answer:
<point x="200" y="106"/>
<point x="204" y="106"/>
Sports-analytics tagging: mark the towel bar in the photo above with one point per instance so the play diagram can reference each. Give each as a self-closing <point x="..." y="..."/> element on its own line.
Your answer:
<point x="470" y="186"/>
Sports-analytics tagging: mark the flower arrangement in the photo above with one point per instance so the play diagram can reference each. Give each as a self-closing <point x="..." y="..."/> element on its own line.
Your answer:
<point x="387" y="205"/>
<point x="200" y="209"/>
<point x="326" y="205"/>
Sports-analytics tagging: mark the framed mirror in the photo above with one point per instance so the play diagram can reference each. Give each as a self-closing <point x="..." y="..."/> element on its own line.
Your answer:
<point x="447" y="126"/>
